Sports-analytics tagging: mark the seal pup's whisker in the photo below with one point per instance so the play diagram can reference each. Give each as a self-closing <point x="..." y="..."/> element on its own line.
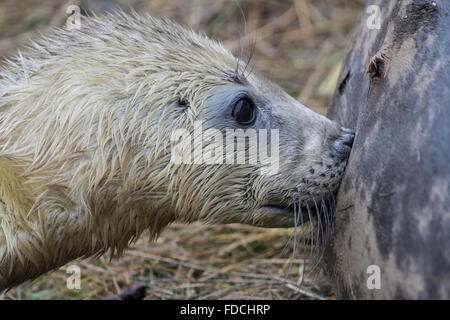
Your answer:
<point x="318" y="245"/>
<point x="303" y="237"/>
<point x="327" y="220"/>
<point x="319" y="224"/>
<point x="252" y="51"/>
<point x="325" y="232"/>
<point x="311" y="228"/>
<point x="294" y="248"/>
<point x="333" y="206"/>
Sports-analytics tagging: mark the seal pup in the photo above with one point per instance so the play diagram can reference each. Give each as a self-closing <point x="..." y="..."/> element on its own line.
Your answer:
<point x="87" y="118"/>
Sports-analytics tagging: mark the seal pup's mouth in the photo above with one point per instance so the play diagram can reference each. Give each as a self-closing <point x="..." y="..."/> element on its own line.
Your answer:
<point x="280" y="209"/>
<point x="286" y="216"/>
<point x="294" y="208"/>
<point x="280" y="215"/>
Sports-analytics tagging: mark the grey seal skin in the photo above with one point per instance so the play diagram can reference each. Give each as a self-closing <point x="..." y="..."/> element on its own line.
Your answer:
<point x="393" y="206"/>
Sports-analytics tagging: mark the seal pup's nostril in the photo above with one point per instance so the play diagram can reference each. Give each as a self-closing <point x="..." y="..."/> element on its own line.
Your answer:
<point x="348" y="139"/>
<point x="342" y="145"/>
<point x="348" y="136"/>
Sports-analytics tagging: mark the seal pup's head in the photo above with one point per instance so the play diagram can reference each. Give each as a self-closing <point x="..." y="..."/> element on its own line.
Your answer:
<point x="219" y="113"/>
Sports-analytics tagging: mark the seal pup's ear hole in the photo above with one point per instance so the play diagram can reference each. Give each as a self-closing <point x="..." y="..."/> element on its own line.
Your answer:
<point x="183" y="103"/>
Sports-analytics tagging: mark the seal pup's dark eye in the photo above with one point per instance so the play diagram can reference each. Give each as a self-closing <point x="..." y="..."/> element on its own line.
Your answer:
<point x="244" y="111"/>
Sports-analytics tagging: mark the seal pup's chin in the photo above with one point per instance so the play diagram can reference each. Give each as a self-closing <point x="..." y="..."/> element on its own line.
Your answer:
<point x="280" y="210"/>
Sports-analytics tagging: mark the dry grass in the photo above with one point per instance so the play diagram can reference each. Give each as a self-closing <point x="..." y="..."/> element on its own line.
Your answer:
<point x="194" y="262"/>
<point x="300" y="44"/>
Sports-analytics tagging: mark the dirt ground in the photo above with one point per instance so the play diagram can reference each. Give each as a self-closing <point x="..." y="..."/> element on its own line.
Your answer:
<point x="300" y="44"/>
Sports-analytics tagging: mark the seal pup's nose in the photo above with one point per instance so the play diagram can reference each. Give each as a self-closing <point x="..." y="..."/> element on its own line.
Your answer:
<point x="348" y="135"/>
<point x="341" y="147"/>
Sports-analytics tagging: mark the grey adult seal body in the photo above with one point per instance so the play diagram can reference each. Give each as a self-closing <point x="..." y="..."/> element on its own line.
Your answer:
<point x="393" y="206"/>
